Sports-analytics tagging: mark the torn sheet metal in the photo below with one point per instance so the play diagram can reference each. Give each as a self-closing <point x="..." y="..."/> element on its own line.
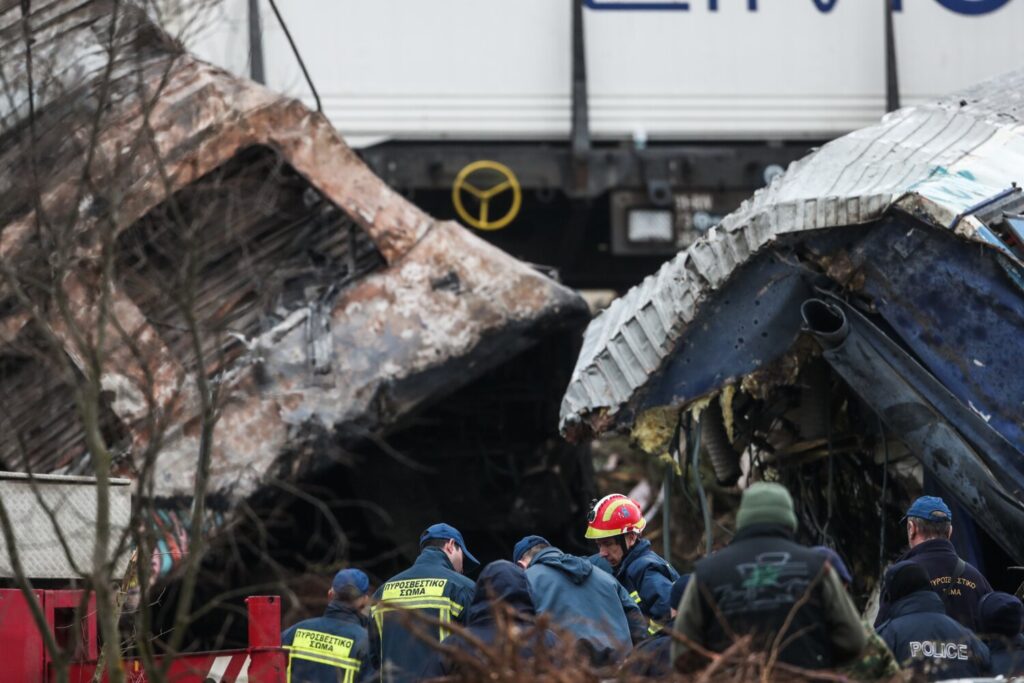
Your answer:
<point x="933" y="424"/>
<point x="324" y="299"/>
<point x="934" y="162"/>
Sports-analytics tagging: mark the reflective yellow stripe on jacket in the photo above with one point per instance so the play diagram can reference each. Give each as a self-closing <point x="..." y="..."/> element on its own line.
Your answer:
<point x="323" y="648"/>
<point x="652" y="626"/>
<point x="410" y="594"/>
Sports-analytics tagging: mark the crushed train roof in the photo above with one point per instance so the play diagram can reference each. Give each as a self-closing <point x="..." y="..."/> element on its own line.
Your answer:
<point x="935" y="161"/>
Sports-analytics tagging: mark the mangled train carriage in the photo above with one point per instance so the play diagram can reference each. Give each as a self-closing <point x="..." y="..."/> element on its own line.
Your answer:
<point x="195" y="234"/>
<point x="854" y="330"/>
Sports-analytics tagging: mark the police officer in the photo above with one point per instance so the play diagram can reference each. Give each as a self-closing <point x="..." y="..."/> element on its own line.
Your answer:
<point x="919" y="632"/>
<point x="961" y="586"/>
<point x="764" y="581"/>
<point x="333" y="647"/>
<point x="615" y="522"/>
<point x="433" y="589"/>
<point x="582" y="600"/>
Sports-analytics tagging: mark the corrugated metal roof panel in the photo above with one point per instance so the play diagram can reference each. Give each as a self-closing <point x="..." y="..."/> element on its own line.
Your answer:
<point x="941" y="158"/>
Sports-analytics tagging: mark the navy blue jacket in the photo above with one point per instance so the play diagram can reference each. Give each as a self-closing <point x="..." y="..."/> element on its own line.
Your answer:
<point x="960" y="595"/>
<point x="651" y="658"/>
<point x="328" y="649"/>
<point x="1007" y="656"/>
<point x="430" y="587"/>
<point x="648" y="578"/>
<point x="925" y="639"/>
<point x="500" y="583"/>
<point x="590" y="604"/>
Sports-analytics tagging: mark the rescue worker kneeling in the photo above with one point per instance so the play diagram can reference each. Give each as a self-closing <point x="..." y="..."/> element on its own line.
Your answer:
<point x="586" y="602"/>
<point x="615" y="523"/>
<point x="501" y="615"/>
<point x="920" y="633"/>
<point x="333" y="647"/>
<point x="763" y="581"/>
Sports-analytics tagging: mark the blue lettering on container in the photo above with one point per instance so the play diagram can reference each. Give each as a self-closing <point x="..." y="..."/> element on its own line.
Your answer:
<point x="972" y="6"/>
<point x="965" y="7"/>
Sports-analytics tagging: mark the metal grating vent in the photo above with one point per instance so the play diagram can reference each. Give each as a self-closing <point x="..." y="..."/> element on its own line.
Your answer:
<point x="239" y="248"/>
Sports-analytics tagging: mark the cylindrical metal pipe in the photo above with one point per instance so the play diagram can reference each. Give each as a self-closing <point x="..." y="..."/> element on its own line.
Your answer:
<point x="724" y="458"/>
<point x="256" y="71"/>
<point x="826" y="321"/>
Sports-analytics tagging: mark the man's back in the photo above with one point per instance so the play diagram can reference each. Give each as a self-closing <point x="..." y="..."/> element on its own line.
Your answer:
<point x="762" y="581"/>
<point x="430" y="591"/>
<point x="924" y="638"/>
<point x="584" y="601"/>
<point x="958" y="584"/>
<point x="329" y="648"/>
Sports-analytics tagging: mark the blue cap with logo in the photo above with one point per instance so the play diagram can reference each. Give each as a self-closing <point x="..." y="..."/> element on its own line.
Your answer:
<point x="931" y="508"/>
<point x="525" y="544"/>
<point x="446" y="531"/>
<point x="351" y="577"/>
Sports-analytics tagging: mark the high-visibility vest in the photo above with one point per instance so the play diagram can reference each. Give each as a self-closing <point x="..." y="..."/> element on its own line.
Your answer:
<point x="324" y="648"/>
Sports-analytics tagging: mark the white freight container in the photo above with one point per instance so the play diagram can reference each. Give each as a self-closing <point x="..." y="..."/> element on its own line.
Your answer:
<point x="53" y="520"/>
<point x="696" y="70"/>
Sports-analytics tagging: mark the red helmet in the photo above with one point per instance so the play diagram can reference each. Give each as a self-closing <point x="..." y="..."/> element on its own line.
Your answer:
<point x="614" y="515"/>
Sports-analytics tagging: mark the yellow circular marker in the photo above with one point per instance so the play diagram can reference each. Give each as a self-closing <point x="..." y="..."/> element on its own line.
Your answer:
<point x="501" y="179"/>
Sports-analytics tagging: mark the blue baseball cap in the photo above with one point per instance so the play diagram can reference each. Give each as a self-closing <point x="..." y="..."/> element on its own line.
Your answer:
<point x="930" y="508"/>
<point x="446" y="531"/>
<point x="525" y="544"/>
<point x="351" y="577"/>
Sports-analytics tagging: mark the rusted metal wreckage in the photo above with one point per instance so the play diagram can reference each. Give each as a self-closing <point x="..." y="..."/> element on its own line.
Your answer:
<point x="331" y="311"/>
<point x="895" y="255"/>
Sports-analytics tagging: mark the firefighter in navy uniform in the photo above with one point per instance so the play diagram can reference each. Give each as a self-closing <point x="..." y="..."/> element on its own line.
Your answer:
<point x="333" y="648"/>
<point x="615" y="523"/>
<point x="433" y="587"/>
<point x="961" y="587"/>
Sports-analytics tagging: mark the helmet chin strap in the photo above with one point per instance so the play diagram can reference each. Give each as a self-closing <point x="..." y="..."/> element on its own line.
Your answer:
<point x="621" y="538"/>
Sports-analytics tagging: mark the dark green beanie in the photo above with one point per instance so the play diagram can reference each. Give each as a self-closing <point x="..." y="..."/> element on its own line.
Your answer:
<point x="766" y="503"/>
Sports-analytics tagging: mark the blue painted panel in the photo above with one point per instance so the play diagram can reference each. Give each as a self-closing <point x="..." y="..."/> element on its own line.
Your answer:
<point x="752" y="321"/>
<point x="957" y="309"/>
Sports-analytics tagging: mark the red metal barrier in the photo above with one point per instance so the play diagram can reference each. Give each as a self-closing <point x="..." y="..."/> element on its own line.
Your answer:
<point x="226" y="666"/>
<point x="27" y="661"/>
